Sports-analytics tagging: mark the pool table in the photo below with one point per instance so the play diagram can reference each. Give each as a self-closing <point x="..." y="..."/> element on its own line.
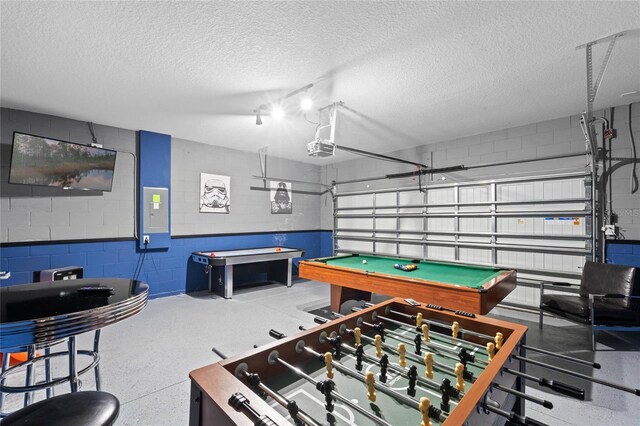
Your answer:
<point x="473" y="289"/>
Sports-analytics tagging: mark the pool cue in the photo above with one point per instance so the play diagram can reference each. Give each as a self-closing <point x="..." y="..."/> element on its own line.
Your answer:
<point x="513" y="417"/>
<point x="579" y="375"/>
<point x="554" y="385"/>
<point x="379" y="386"/>
<point x="294" y="412"/>
<point x="334" y="394"/>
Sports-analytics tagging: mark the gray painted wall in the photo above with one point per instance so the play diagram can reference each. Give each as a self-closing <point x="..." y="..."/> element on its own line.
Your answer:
<point x="250" y="210"/>
<point x="562" y="135"/>
<point x="30" y="213"/>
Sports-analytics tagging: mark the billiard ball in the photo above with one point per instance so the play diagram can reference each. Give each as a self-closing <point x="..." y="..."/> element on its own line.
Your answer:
<point x="364" y="261"/>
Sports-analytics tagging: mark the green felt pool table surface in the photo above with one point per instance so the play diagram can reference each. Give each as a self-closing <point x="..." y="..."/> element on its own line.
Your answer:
<point x="463" y="275"/>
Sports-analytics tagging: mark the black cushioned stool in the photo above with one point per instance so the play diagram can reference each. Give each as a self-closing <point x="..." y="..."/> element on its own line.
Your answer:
<point x="88" y="408"/>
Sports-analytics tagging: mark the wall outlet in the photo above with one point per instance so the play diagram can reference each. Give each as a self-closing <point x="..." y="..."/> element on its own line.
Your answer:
<point x="146" y="239"/>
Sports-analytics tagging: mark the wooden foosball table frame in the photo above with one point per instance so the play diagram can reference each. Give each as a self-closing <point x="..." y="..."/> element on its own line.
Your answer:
<point x="213" y="385"/>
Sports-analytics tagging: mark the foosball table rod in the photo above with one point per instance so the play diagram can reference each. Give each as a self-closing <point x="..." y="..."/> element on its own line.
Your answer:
<point x="491" y="338"/>
<point x="436" y="414"/>
<point x="468" y="376"/>
<point x="429" y="322"/>
<point x="239" y="402"/>
<point x="299" y="416"/>
<point x="335" y="395"/>
<point x="437" y="347"/>
<point x="579" y="375"/>
<point x="513" y="417"/>
<point x="403" y="371"/>
<point x="554" y="385"/>
<point x="400" y="370"/>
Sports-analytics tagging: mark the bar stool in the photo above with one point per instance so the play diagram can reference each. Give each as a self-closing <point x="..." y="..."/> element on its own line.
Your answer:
<point x="49" y="382"/>
<point x="89" y="408"/>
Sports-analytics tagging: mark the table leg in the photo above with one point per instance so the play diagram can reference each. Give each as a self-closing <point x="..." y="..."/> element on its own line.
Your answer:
<point x="340" y="294"/>
<point x="289" y="268"/>
<point x="228" y="281"/>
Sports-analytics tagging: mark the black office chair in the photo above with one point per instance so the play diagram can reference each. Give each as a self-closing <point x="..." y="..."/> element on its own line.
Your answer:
<point x="90" y="408"/>
<point x="608" y="299"/>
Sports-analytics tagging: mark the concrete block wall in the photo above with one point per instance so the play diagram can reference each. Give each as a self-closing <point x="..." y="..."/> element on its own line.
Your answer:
<point x="32" y="213"/>
<point x="250" y="209"/>
<point x="43" y="228"/>
<point x="535" y="140"/>
<point x="166" y="271"/>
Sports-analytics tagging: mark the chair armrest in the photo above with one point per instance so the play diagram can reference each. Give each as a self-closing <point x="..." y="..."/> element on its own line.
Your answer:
<point x="560" y="284"/>
<point x="614" y="296"/>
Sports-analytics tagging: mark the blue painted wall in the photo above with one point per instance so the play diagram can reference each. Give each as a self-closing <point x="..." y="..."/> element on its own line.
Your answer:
<point x="154" y="171"/>
<point x="623" y="252"/>
<point x="168" y="272"/>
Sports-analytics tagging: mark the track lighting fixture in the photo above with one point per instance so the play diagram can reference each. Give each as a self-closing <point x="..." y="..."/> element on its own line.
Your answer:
<point x="276" y="108"/>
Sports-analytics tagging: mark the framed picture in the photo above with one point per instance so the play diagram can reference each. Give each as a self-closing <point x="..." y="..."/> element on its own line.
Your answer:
<point x="215" y="193"/>
<point x="281" y="198"/>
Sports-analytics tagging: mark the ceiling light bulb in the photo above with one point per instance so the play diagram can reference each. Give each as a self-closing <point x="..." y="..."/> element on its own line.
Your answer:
<point x="277" y="112"/>
<point x="306" y="104"/>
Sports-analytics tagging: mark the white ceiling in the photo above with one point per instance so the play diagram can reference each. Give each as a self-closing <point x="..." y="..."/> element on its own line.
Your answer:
<point x="411" y="73"/>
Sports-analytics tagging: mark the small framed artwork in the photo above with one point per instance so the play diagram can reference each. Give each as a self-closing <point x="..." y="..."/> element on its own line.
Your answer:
<point x="215" y="193"/>
<point x="281" y="198"/>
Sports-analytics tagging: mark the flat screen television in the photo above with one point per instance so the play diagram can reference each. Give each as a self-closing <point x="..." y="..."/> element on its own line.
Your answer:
<point x="37" y="160"/>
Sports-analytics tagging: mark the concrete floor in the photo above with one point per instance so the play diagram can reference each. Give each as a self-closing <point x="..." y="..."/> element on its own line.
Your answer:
<point x="145" y="360"/>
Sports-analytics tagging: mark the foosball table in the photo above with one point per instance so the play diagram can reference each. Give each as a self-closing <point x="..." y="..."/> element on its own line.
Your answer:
<point x="388" y="364"/>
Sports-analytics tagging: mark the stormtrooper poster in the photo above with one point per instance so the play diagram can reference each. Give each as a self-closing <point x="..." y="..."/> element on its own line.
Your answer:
<point x="215" y="193"/>
<point x="281" y="198"/>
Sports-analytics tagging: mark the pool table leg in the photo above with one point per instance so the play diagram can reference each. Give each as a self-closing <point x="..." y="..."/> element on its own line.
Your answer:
<point x="340" y="294"/>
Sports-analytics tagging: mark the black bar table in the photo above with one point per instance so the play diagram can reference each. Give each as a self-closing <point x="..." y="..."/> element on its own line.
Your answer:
<point x="40" y="314"/>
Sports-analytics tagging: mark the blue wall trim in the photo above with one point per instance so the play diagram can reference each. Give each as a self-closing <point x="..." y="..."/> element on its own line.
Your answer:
<point x="623" y="252"/>
<point x="167" y="272"/>
<point x="154" y="153"/>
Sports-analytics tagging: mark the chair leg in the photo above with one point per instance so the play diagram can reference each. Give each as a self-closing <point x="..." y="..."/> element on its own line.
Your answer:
<point x="540" y="319"/>
<point x="6" y="357"/>
<point x="73" y="374"/>
<point x="47" y="371"/>
<point x="96" y="344"/>
<point x="31" y="354"/>
<point x="593" y="339"/>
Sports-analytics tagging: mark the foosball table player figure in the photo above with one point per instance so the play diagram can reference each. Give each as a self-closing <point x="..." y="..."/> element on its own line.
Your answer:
<point x="386" y="364"/>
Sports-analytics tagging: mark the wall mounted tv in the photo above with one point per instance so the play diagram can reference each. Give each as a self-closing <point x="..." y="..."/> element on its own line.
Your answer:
<point x="36" y="160"/>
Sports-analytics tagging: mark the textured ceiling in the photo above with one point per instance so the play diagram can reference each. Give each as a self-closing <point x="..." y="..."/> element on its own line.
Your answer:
<point x="411" y="73"/>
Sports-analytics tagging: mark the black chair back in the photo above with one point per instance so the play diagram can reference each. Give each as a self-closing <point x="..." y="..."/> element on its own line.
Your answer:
<point x="606" y="278"/>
